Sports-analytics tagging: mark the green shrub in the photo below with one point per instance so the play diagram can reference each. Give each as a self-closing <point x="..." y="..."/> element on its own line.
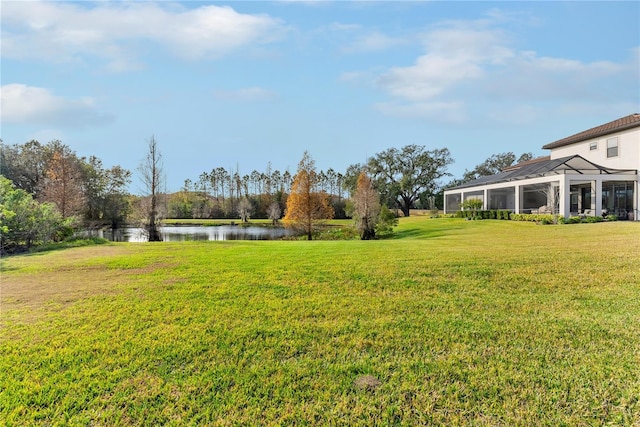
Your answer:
<point x="25" y="222"/>
<point x="490" y="214"/>
<point x="593" y="219"/>
<point x="468" y="214"/>
<point x="579" y="219"/>
<point x="612" y="218"/>
<point x="472" y="205"/>
<point x="541" y="218"/>
<point x="386" y="221"/>
<point x="337" y="233"/>
<point x="506" y="214"/>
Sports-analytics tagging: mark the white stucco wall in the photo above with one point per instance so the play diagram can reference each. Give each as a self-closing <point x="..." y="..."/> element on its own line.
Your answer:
<point x="628" y="150"/>
<point x="628" y="158"/>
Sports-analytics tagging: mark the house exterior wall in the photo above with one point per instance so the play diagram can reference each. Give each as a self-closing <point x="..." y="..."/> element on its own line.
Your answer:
<point x="627" y="158"/>
<point x="564" y="183"/>
<point x="628" y="150"/>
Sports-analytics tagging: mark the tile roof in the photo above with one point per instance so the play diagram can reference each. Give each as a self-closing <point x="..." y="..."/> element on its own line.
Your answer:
<point x="630" y="121"/>
<point x="575" y="164"/>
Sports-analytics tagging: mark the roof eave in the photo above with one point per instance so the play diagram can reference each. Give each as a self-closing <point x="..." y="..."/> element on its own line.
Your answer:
<point x="559" y="143"/>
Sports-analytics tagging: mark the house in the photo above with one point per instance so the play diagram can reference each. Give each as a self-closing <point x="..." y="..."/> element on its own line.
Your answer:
<point x="594" y="172"/>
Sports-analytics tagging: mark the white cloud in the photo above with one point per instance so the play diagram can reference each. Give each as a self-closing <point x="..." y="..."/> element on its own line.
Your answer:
<point x="247" y="94"/>
<point x="34" y="105"/>
<point x="73" y="32"/>
<point x="373" y="42"/>
<point x="453" y="56"/>
<point x="530" y="77"/>
<point x="473" y="67"/>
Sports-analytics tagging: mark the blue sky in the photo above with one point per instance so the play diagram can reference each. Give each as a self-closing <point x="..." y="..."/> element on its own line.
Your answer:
<point x="242" y="84"/>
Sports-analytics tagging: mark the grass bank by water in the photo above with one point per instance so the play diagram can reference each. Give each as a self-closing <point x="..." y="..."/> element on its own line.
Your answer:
<point x="461" y="322"/>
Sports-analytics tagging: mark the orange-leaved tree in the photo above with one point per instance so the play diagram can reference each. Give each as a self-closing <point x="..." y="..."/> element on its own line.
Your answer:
<point x="63" y="181"/>
<point x="307" y="208"/>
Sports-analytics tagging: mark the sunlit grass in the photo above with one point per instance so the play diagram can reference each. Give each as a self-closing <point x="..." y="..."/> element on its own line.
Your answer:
<point x="462" y="322"/>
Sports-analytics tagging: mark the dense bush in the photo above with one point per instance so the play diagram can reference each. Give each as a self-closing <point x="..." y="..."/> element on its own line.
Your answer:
<point x="25" y="223"/>
<point x="586" y="219"/>
<point x="387" y="220"/>
<point x="490" y="214"/>
<point x="540" y="218"/>
<point x="592" y="219"/>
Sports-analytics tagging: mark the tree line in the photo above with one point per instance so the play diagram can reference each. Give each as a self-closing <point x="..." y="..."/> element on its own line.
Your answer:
<point x="223" y="193"/>
<point x="48" y="191"/>
<point x="395" y="177"/>
<point x="78" y="186"/>
<point x="79" y="191"/>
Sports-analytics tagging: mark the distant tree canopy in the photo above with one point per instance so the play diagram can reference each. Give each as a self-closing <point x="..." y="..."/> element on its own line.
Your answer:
<point x="217" y="193"/>
<point x="494" y="165"/>
<point x="402" y="175"/>
<point x="107" y="198"/>
<point x="82" y="188"/>
<point x="77" y="186"/>
<point x="25" y="165"/>
<point x="307" y="207"/>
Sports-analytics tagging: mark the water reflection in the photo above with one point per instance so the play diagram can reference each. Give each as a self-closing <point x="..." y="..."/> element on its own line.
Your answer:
<point x="189" y="233"/>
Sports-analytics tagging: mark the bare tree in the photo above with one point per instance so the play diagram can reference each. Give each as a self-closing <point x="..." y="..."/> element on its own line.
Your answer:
<point x="152" y="178"/>
<point x="551" y="192"/>
<point x="244" y="209"/>
<point x="274" y="212"/>
<point x="366" y="205"/>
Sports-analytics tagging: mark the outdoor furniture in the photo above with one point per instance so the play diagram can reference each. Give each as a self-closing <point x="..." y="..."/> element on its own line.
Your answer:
<point x="541" y="210"/>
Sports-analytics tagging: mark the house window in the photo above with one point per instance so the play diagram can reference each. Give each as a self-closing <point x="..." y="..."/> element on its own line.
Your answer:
<point x="593" y="146"/>
<point x="612" y="147"/>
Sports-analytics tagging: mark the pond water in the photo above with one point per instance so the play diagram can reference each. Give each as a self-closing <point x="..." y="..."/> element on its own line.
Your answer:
<point x="196" y="232"/>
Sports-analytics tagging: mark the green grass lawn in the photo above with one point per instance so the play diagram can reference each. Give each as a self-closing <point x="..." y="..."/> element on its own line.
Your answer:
<point x="461" y="322"/>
